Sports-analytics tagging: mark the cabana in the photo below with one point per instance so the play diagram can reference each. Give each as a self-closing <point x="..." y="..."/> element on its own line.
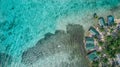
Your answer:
<point x="110" y="20"/>
<point x="92" y="56"/>
<point x="89" y="43"/>
<point x="93" y="31"/>
<point x="101" y="21"/>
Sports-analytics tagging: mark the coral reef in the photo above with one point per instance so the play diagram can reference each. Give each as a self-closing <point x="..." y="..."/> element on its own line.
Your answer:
<point x="62" y="49"/>
<point x="5" y="60"/>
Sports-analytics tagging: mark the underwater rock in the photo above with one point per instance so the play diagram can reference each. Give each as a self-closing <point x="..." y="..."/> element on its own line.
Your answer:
<point x="58" y="47"/>
<point x="5" y="60"/>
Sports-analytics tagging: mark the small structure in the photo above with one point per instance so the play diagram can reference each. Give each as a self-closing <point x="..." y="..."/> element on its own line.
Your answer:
<point x="95" y="15"/>
<point x="92" y="56"/>
<point x="89" y="43"/>
<point x="118" y="27"/>
<point x="118" y="58"/>
<point x="110" y="19"/>
<point x="93" y="31"/>
<point x="101" y="21"/>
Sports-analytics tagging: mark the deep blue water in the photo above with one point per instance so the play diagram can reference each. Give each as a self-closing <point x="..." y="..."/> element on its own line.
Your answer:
<point x="24" y="22"/>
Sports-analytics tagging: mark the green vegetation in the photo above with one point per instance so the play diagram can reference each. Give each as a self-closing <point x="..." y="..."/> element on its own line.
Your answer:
<point x="109" y="42"/>
<point x="105" y="59"/>
<point x="108" y="38"/>
<point x="118" y="34"/>
<point x="98" y="53"/>
<point x="95" y="64"/>
<point x="114" y="24"/>
<point x="101" y="29"/>
<point x="112" y="46"/>
<point x="100" y="43"/>
<point x="111" y="30"/>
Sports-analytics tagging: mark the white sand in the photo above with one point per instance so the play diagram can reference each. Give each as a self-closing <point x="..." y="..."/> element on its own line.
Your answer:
<point x="84" y="18"/>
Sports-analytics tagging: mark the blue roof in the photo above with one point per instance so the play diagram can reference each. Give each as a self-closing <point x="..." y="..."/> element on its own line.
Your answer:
<point x="89" y="43"/>
<point x="101" y="21"/>
<point x="92" y="56"/>
<point x="110" y="19"/>
<point x="89" y="39"/>
<point x="93" y="31"/>
<point x="89" y="46"/>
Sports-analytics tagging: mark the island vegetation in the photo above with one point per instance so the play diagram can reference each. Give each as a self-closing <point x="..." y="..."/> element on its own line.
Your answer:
<point x="109" y="43"/>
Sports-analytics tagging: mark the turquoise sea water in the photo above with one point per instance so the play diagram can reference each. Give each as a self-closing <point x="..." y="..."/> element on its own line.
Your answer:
<point x="24" y="22"/>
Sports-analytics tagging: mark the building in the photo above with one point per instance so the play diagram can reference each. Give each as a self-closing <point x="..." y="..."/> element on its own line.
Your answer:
<point x="89" y="43"/>
<point x="93" y="31"/>
<point x="110" y="19"/>
<point x="92" y="56"/>
<point x="101" y="21"/>
<point x="118" y="58"/>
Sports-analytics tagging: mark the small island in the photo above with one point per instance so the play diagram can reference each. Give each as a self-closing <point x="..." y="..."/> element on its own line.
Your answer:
<point x="102" y="42"/>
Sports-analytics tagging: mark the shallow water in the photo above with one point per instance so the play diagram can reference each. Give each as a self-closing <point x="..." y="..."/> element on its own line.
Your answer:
<point x="24" y="22"/>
